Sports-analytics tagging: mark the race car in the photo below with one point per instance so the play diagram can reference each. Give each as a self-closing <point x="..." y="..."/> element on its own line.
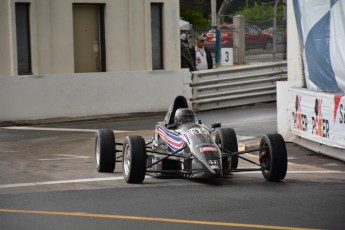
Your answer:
<point x="182" y="146"/>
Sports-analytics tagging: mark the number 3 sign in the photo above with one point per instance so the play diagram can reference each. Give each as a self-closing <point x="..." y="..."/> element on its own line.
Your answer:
<point x="227" y="56"/>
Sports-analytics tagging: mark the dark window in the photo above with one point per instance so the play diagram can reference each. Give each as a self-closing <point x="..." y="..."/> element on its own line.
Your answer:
<point x="23" y="38"/>
<point x="157" y="35"/>
<point x="103" y="62"/>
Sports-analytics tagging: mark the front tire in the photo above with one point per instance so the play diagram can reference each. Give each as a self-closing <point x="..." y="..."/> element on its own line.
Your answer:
<point x="226" y="139"/>
<point x="134" y="159"/>
<point x="273" y="158"/>
<point x="105" y="150"/>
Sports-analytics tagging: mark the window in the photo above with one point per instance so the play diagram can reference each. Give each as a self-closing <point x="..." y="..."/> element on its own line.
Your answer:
<point x="23" y="38"/>
<point x="157" y="35"/>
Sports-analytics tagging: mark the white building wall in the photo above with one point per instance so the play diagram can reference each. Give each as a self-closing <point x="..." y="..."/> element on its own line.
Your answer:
<point x="127" y="35"/>
<point x="54" y="90"/>
<point x="63" y="95"/>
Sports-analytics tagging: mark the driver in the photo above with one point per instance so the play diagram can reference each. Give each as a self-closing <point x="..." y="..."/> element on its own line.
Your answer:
<point x="184" y="116"/>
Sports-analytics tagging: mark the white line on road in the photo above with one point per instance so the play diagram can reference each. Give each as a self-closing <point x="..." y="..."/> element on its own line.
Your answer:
<point x="64" y="157"/>
<point x="301" y="172"/>
<point x="59" y="129"/>
<point x="121" y="178"/>
<point x="59" y="182"/>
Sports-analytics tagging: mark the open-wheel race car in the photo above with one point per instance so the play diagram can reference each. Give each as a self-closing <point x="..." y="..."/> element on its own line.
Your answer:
<point x="183" y="146"/>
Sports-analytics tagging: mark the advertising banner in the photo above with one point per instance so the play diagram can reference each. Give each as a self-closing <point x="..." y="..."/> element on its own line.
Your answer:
<point x="319" y="117"/>
<point x="320" y="25"/>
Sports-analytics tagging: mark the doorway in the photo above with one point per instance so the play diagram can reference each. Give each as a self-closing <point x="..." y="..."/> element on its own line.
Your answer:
<point x="88" y="35"/>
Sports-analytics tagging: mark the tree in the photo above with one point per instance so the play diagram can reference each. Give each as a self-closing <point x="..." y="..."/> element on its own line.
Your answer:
<point x="197" y="12"/>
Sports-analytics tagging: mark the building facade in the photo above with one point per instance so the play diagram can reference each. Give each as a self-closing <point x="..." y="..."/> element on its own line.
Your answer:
<point x="77" y="58"/>
<point x="75" y="36"/>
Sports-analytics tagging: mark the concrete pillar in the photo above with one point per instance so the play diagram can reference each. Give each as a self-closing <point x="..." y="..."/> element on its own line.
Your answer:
<point x="6" y="55"/>
<point x="239" y="45"/>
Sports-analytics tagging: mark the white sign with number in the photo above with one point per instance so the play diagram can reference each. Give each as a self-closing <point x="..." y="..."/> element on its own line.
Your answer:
<point x="227" y="56"/>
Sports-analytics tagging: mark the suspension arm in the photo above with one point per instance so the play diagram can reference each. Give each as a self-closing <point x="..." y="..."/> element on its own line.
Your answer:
<point x="168" y="155"/>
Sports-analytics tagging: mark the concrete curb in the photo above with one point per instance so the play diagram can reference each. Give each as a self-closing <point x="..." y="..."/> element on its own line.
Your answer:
<point x="249" y="144"/>
<point x="329" y="151"/>
<point x="318" y="148"/>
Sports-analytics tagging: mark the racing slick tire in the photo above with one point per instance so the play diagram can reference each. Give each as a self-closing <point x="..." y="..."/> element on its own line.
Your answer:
<point x="226" y="138"/>
<point x="134" y="159"/>
<point x="105" y="150"/>
<point x="273" y="158"/>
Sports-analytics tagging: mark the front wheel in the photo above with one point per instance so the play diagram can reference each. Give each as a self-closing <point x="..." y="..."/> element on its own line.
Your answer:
<point x="105" y="150"/>
<point x="273" y="157"/>
<point x="134" y="159"/>
<point x="226" y="139"/>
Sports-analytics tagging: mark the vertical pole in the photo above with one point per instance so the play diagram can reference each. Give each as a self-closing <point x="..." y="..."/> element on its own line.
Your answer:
<point x="274" y="31"/>
<point x="238" y="38"/>
<point x="215" y="26"/>
<point x="218" y="53"/>
<point x="214" y="13"/>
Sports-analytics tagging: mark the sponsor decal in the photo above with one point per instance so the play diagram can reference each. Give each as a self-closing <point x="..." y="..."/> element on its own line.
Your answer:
<point x="214" y="167"/>
<point x="213" y="162"/>
<point x="342" y="114"/>
<point x="341" y="107"/>
<point x="208" y="149"/>
<point x="320" y="125"/>
<point x="318" y="117"/>
<point x="300" y="120"/>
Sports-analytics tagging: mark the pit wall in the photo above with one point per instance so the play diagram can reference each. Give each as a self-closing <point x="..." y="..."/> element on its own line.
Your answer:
<point x="90" y="94"/>
<point x="313" y="119"/>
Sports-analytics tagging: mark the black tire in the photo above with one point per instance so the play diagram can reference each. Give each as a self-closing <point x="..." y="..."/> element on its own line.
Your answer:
<point x="274" y="162"/>
<point x="134" y="159"/>
<point x="105" y="153"/>
<point x="226" y="138"/>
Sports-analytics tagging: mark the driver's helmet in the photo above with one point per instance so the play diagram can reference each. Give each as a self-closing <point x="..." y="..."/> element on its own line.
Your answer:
<point x="184" y="116"/>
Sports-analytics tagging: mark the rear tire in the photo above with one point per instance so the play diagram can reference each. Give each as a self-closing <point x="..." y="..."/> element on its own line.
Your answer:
<point x="274" y="162"/>
<point x="226" y="138"/>
<point x="105" y="150"/>
<point x="134" y="159"/>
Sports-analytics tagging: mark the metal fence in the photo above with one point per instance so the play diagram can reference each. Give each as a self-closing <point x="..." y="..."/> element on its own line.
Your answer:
<point x="237" y="86"/>
<point x="263" y="43"/>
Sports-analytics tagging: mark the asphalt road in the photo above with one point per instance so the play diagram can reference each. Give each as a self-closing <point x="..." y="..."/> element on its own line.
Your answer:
<point x="48" y="180"/>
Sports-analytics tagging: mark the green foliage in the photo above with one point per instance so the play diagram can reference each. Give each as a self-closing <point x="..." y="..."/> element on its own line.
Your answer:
<point x="260" y="12"/>
<point x="194" y="18"/>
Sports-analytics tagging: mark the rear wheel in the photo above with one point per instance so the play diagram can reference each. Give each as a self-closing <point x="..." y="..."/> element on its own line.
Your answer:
<point x="134" y="159"/>
<point x="105" y="150"/>
<point x="273" y="157"/>
<point x="226" y="139"/>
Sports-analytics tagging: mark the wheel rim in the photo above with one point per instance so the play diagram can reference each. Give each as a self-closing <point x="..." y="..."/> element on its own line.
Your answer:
<point x="127" y="160"/>
<point x="266" y="163"/>
<point x="98" y="152"/>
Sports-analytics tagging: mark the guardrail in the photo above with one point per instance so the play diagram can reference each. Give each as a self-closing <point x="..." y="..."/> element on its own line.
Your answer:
<point x="222" y="88"/>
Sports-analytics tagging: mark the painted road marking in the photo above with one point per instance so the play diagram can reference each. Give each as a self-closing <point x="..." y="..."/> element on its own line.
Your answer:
<point x="121" y="178"/>
<point x="142" y="218"/>
<point x="65" y="157"/>
<point x="70" y="129"/>
<point x="59" y="182"/>
<point x="58" y="129"/>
